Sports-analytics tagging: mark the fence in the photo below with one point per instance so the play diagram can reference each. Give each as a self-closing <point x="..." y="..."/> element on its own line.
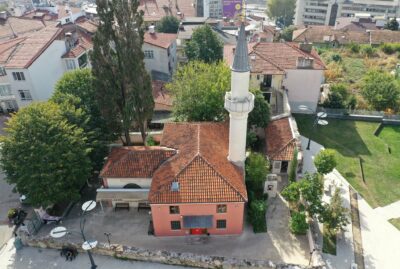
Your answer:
<point x="366" y="115"/>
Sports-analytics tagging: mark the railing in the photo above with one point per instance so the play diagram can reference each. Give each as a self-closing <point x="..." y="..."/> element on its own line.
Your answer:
<point x="358" y="113"/>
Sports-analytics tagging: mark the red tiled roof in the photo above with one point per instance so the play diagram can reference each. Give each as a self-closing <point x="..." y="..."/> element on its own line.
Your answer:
<point x="161" y="96"/>
<point x="154" y="10"/>
<point x="280" y="142"/>
<point x="201" y="166"/>
<point x="161" y="40"/>
<point x="7" y="47"/>
<point x="18" y="26"/>
<point x="87" y="25"/>
<point x="81" y="47"/>
<point x="229" y="51"/>
<point x="135" y="162"/>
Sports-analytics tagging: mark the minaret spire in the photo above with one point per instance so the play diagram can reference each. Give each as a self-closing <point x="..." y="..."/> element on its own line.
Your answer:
<point x="239" y="101"/>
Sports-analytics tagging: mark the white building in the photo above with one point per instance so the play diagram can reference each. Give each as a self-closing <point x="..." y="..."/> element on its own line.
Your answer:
<point x="325" y="12"/>
<point x="160" y="54"/>
<point x="210" y="8"/>
<point x="31" y="65"/>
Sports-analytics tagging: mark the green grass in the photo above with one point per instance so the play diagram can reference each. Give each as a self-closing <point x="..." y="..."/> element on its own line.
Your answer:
<point x="354" y="139"/>
<point x="329" y="241"/>
<point x="395" y="222"/>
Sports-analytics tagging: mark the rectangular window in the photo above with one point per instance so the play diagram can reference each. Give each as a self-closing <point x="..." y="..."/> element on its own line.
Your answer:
<point x="175" y="225"/>
<point x="149" y="54"/>
<point x="25" y="95"/>
<point x="221" y="224"/>
<point x="174" y="209"/>
<point x="2" y="71"/>
<point x="18" y="75"/>
<point x="83" y="60"/>
<point x="5" y="90"/>
<point x="221" y="208"/>
<point x="70" y="64"/>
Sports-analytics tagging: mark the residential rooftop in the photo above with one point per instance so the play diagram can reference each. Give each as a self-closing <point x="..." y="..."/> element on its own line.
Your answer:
<point x="280" y="140"/>
<point x="16" y="26"/>
<point x="161" y="40"/>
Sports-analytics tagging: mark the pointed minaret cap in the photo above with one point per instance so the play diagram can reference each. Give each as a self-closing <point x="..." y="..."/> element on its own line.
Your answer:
<point x="241" y="61"/>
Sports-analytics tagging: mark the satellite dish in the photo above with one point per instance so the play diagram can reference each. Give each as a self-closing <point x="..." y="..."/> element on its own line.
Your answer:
<point x="88" y="205"/>
<point x="58" y="232"/>
<point x="322" y="122"/>
<point x="90" y="244"/>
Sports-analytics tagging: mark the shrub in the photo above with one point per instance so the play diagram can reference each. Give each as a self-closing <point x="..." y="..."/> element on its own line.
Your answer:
<point x="150" y="141"/>
<point x="12" y="212"/>
<point x="251" y="140"/>
<point x="368" y="50"/>
<point x="258" y="209"/>
<point x="325" y="161"/>
<point x="387" y="48"/>
<point x="354" y="47"/>
<point x="336" y="58"/>
<point x="256" y="168"/>
<point x="333" y="71"/>
<point x="352" y="102"/>
<point x="298" y="223"/>
<point x="334" y="100"/>
<point x="293" y="167"/>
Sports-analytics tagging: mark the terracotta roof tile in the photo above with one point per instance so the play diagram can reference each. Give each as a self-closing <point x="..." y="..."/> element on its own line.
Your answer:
<point x="7" y="48"/>
<point x="280" y="142"/>
<point x="18" y="26"/>
<point x="87" y="25"/>
<point x="135" y="162"/>
<point x="82" y="46"/>
<point x="201" y="166"/>
<point x="161" y="96"/>
<point x="161" y="40"/>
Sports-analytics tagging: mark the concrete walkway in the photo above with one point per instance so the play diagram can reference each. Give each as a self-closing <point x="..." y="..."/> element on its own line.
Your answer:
<point x="344" y="245"/>
<point x="388" y="212"/>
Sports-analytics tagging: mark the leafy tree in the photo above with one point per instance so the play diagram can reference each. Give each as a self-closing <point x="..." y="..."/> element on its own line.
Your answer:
<point x="44" y="155"/>
<point x="291" y="193"/>
<point x="123" y="85"/>
<point x="334" y="100"/>
<point x="311" y="188"/>
<point x="205" y="45"/>
<point x="380" y="90"/>
<point x="287" y="33"/>
<point x="392" y="25"/>
<point x="261" y="114"/>
<point x="168" y="24"/>
<point x="257" y="167"/>
<point x="198" y="90"/>
<point x="335" y="216"/>
<point x="298" y="223"/>
<point x="282" y="11"/>
<point x="325" y="161"/>
<point x="257" y="211"/>
<point x="76" y="89"/>
<point x="293" y="167"/>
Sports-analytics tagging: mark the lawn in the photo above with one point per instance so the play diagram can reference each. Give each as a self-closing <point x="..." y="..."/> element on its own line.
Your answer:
<point x="328" y="241"/>
<point x="395" y="222"/>
<point x="354" y="139"/>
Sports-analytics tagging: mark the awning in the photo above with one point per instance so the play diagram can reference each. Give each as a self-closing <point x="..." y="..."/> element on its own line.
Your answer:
<point x="125" y="195"/>
<point x="190" y="222"/>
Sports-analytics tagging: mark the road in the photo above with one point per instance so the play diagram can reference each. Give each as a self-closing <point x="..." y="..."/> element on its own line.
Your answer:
<point x="35" y="258"/>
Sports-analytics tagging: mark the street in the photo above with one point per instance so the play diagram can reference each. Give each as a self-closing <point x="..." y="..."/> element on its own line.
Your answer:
<point x="36" y="258"/>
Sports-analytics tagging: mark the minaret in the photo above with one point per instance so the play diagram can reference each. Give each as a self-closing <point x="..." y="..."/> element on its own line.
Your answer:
<point x="239" y="101"/>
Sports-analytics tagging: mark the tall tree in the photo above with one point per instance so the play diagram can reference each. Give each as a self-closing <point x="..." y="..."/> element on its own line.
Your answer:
<point x="75" y="90"/>
<point x="122" y="82"/>
<point x="44" y="155"/>
<point x="261" y="114"/>
<point x="325" y="161"/>
<point x="392" y="24"/>
<point x="168" y="24"/>
<point x="381" y="90"/>
<point x="205" y="45"/>
<point x="335" y="215"/>
<point x="282" y="11"/>
<point x="198" y="90"/>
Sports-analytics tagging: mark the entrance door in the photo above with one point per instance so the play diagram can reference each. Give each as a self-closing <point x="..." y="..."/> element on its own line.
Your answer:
<point x="276" y="167"/>
<point x="284" y="167"/>
<point x="198" y="231"/>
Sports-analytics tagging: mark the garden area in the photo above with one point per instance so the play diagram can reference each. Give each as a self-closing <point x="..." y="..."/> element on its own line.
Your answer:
<point x="355" y="142"/>
<point x="395" y="223"/>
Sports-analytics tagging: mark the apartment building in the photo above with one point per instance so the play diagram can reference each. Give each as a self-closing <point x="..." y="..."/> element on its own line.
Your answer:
<point x="209" y="8"/>
<point x="325" y="12"/>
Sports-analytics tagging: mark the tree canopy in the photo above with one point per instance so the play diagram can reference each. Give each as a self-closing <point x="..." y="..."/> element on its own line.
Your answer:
<point x="261" y="114"/>
<point x="168" y="24"/>
<point x="205" y="45"/>
<point x="381" y="90"/>
<point x="282" y="11"/>
<point x="44" y="155"/>
<point x="392" y="24"/>
<point x="198" y="90"/>
<point x="123" y="85"/>
<point x="287" y="33"/>
<point x="334" y="215"/>
<point x="325" y="161"/>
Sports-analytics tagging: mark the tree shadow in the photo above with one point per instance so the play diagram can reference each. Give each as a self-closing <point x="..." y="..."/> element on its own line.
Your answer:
<point x="341" y="135"/>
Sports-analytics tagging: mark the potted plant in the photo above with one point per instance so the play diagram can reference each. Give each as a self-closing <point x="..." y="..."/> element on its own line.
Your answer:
<point x="12" y="213"/>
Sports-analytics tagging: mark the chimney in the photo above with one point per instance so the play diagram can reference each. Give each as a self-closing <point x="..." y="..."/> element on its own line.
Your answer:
<point x="152" y="29"/>
<point x="304" y="62"/>
<point x="306" y="47"/>
<point x="69" y="41"/>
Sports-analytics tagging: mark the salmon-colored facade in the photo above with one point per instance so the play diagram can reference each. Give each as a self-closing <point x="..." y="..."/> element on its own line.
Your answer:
<point x="162" y="218"/>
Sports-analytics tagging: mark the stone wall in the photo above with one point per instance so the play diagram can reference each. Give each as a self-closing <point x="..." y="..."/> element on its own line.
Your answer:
<point x="161" y="256"/>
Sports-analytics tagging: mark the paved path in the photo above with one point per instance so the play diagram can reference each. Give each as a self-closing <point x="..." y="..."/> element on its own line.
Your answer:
<point x="35" y="258"/>
<point x="344" y="248"/>
<point x="388" y="212"/>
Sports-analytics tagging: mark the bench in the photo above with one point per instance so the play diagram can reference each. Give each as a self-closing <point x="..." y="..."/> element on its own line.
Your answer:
<point x="121" y="206"/>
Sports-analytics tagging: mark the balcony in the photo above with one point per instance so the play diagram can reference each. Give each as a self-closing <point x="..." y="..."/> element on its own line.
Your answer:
<point x="239" y="106"/>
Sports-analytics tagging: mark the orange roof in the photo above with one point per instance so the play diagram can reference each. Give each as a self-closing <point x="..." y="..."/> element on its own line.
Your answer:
<point x="229" y="51"/>
<point x="80" y="48"/>
<point x="27" y="51"/>
<point x="201" y="166"/>
<point x="87" y="25"/>
<point x="18" y="26"/>
<point x="162" y="99"/>
<point x="161" y="40"/>
<point x="280" y="141"/>
<point x="8" y="47"/>
<point x="154" y="10"/>
<point x="135" y="162"/>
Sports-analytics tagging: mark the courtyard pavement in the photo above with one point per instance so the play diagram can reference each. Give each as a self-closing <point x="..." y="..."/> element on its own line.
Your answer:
<point x="388" y="212"/>
<point x="130" y="228"/>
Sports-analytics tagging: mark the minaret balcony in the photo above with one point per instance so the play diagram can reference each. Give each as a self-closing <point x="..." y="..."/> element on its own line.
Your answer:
<point x="236" y="105"/>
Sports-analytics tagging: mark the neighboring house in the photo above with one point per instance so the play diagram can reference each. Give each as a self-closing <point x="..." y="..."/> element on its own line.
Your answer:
<point x="284" y="70"/>
<point x="195" y="178"/>
<point x="162" y="104"/>
<point x="160" y="57"/>
<point x="327" y="35"/>
<point x="77" y="55"/>
<point x="12" y="27"/>
<point x="34" y="63"/>
<point x="67" y="14"/>
<point x="281" y="140"/>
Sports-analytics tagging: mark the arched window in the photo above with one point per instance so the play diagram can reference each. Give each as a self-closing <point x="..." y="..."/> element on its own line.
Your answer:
<point x="132" y="186"/>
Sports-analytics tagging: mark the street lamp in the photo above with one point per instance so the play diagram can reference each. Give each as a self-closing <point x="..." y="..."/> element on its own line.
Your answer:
<point x="318" y="120"/>
<point x="87" y="245"/>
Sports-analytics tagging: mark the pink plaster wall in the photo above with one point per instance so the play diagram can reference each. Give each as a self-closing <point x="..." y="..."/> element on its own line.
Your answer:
<point x="162" y="218"/>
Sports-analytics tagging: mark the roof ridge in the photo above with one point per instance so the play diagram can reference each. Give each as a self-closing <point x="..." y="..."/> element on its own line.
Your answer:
<point x="269" y="60"/>
<point x="319" y="61"/>
<point x="283" y="147"/>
